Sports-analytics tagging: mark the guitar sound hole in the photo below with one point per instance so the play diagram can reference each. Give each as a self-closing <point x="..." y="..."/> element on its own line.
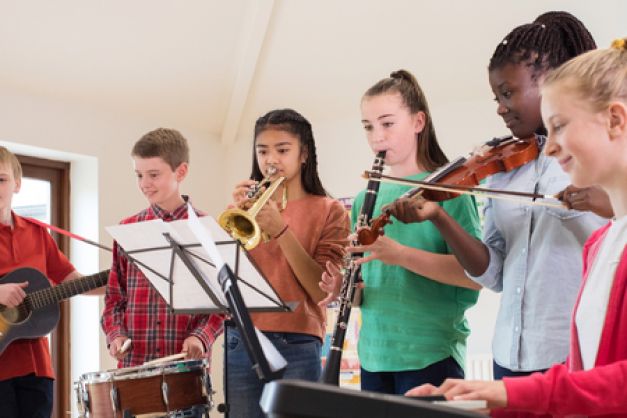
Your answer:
<point x="15" y="315"/>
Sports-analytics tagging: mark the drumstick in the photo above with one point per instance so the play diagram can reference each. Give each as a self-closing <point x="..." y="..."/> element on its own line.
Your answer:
<point x="166" y="359"/>
<point x="125" y="346"/>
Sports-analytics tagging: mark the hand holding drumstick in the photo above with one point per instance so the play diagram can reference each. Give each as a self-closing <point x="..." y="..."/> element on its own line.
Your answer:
<point x="119" y="347"/>
<point x="193" y="347"/>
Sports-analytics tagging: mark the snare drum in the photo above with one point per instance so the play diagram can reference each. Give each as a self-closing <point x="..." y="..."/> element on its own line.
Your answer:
<point x="161" y="389"/>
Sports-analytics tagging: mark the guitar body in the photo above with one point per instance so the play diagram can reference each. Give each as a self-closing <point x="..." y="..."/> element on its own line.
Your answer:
<point x="21" y="321"/>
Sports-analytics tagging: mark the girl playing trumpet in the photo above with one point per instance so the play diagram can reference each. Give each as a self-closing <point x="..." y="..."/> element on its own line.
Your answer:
<point x="307" y="232"/>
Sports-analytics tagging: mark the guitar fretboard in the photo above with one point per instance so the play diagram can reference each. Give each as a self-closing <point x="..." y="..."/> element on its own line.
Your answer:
<point x="56" y="294"/>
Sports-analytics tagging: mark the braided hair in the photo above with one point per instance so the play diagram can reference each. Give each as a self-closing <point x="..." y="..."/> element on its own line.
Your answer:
<point x="289" y="120"/>
<point x="551" y="40"/>
<point x="429" y="154"/>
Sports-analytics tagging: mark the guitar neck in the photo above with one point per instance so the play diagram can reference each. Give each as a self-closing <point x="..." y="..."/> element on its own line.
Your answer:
<point x="56" y="294"/>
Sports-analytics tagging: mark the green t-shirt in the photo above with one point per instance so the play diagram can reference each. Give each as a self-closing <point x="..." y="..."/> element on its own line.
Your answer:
<point x="409" y="321"/>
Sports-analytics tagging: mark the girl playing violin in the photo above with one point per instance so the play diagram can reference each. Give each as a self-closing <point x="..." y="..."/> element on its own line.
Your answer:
<point x="307" y="232"/>
<point x="413" y="324"/>
<point x="584" y="107"/>
<point x="532" y="254"/>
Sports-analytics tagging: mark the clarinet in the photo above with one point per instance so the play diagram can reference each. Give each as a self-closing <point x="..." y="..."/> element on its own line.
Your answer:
<point x="352" y="276"/>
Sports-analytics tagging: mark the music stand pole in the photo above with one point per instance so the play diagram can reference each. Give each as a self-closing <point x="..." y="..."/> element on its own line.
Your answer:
<point x="244" y="324"/>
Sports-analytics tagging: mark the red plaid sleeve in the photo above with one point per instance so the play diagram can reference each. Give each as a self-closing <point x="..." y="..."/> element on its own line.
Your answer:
<point x="112" y="322"/>
<point x="208" y="328"/>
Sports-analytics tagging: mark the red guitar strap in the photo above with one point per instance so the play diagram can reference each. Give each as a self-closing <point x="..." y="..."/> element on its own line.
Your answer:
<point x="64" y="232"/>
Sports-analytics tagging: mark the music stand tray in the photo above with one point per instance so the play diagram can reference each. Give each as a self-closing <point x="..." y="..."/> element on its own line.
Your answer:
<point x="301" y="399"/>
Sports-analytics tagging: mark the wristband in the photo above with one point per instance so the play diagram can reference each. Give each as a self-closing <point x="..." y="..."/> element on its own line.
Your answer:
<point x="282" y="232"/>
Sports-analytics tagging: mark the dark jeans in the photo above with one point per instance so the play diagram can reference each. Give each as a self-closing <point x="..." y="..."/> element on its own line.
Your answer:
<point x="397" y="383"/>
<point x="501" y="372"/>
<point x="26" y="397"/>
<point x="244" y="388"/>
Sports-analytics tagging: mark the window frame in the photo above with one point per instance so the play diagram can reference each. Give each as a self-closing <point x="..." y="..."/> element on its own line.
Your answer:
<point x="57" y="173"/>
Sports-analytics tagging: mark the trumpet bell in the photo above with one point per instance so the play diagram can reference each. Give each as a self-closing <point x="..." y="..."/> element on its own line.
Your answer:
<point x="241" y="226"/>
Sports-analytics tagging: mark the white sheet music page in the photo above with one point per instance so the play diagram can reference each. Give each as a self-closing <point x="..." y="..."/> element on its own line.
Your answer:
<point x="148" y="235"/>
<point x="155" y="254"/>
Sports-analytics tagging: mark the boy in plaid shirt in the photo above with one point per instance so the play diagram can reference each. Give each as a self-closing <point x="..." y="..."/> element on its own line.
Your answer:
<point x="133" y="309"/>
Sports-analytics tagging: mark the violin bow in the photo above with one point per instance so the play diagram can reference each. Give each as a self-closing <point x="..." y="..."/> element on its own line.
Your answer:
<point x="69" y="234"/>
<point x="475" y="191"/>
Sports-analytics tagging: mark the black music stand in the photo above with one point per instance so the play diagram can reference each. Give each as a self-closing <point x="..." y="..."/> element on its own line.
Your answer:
<point x="185" y="252"/>
<point x="180" y="269"/>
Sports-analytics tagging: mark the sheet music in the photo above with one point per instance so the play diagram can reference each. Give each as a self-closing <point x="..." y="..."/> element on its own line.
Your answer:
<point x="145" y="242"/>
<point x="275" y="360"/>
<point x="133" y="237"/>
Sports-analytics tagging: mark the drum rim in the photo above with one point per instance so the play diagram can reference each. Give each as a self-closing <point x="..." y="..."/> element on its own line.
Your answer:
<point x="172" y="367"/>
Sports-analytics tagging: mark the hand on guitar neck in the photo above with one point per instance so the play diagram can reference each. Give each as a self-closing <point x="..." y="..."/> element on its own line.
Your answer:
<point x="28" y="303"/>
<point x="98" y="291"/>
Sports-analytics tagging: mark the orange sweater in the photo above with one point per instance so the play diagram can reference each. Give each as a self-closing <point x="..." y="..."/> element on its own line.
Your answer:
<point x="322" y="226"/>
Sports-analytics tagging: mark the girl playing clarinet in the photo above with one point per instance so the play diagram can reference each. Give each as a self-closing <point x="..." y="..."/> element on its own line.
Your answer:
<point x="413" y="324"/>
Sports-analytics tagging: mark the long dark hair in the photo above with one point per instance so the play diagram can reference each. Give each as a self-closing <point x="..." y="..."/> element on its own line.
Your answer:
<point x="428" y="154"/>
<point x="289" y="120"/>
<point x="551" y="40"/>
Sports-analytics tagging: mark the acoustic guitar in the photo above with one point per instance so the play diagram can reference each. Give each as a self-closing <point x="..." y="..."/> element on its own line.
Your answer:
<point x="38" y="313"/>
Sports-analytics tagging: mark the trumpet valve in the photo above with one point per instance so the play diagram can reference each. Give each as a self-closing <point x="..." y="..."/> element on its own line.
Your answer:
<point x="253" y="191"/>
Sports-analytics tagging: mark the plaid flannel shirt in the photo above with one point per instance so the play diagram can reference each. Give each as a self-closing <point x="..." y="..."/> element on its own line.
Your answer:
<point x="135" y="310"/>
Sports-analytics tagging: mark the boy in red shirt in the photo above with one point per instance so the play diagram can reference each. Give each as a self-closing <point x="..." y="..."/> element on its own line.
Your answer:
<point x="25" y="366"/>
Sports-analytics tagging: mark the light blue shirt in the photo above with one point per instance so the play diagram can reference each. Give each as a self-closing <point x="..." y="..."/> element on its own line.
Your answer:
<point x="536" y="262"/>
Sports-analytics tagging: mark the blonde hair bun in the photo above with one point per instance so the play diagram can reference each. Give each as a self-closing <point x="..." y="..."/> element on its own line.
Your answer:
<point x="620" y="44"/>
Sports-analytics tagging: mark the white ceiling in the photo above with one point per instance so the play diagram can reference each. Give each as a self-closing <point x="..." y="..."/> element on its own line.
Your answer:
<point x="216" y="65"/>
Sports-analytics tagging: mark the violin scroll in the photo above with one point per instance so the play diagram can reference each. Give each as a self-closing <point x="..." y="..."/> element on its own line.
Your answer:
<point x="368" y="236"/>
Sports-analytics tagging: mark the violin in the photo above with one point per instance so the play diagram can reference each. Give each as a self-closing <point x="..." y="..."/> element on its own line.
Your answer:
<point x="495" y="156"/>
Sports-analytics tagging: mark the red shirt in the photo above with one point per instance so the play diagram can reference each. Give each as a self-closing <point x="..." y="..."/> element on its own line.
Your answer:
<point x="134" y="309"/>
<point x="29" y="245"/>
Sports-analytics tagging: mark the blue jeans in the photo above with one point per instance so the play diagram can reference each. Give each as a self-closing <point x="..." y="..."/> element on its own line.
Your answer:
<point x="27" y="396"/>
<point x="244" y="388"/>
<point x="397" y="383"/>
<point x="501" y="372"/>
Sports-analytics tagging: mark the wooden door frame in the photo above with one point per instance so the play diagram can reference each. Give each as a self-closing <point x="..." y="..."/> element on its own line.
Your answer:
<point x="58" y="174"/>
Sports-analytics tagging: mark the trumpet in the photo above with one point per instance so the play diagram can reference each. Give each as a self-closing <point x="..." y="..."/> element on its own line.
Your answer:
<point x="240" y="223"/>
